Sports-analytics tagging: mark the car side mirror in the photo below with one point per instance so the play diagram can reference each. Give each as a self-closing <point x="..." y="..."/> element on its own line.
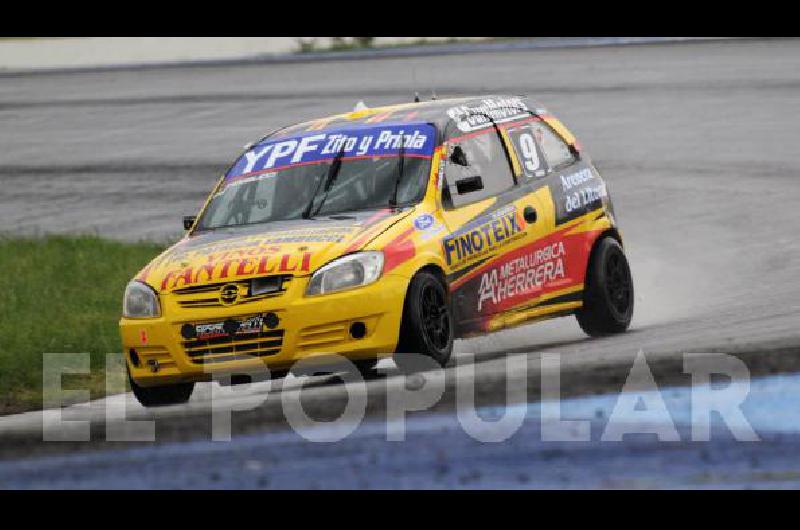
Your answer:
<point x="458" y="156"/>
<point x="574" y="151"/>
<point x="188" y="221"/>
<point x="469" y="184"/>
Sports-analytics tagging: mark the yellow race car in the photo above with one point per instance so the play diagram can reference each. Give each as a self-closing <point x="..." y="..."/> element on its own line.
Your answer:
<point x="382" y="230"/>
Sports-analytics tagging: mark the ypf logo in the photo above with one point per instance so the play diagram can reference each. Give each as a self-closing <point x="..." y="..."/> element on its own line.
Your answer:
<point x="229" y="294"/>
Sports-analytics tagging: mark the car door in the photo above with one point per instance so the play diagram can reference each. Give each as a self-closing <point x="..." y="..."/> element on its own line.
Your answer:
<point x="565" y="188"/>
<point x="485" y="218"/>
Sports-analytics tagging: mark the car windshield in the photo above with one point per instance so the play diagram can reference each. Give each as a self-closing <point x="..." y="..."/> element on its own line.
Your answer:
<point x="324" y="173"/>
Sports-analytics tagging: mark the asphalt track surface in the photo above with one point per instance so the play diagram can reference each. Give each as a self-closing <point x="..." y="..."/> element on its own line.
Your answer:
<point x="696" y="141"/>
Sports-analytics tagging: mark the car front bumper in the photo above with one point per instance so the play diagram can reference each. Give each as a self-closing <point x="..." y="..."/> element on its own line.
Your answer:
<point x="310" y="328"/>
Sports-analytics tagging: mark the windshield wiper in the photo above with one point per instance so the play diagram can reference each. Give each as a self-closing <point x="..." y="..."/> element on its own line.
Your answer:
<point x="330" y="178"/>
<point x="400" y="164"/>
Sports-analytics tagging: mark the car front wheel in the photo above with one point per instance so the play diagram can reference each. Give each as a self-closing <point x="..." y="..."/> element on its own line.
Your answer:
<point x="427" y="325"/>
<point x="608" y="295"/>
<point x="159" y="396"/>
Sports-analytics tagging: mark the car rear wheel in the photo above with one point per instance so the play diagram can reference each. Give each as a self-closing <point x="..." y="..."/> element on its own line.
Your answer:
<point x="608" y="295"/>
<point x="427" y="325"/>
<point x="159" y="396"/>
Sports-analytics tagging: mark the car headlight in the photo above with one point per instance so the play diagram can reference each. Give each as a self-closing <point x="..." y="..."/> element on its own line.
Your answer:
<point x="140" y="301"/>
<point x="354" y="270"/>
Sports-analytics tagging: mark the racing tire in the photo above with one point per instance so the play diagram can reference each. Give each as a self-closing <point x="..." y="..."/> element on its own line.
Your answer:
<point x="161" y="396"/>
<point x="276" y="375"/>
<point x="427" y="324"/>
<point x="608" y="296"/>
<point x="367" y="367"/>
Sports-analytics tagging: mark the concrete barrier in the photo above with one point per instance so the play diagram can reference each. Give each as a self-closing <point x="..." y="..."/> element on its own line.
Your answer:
<point x="127" y="52"/>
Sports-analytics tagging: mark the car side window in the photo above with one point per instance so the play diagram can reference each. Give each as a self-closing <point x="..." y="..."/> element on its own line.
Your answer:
<point x="527" y="146"/>
<point x="556" y="150"/>
<point x="481" y="156"/>
<point x="539" y="149"/>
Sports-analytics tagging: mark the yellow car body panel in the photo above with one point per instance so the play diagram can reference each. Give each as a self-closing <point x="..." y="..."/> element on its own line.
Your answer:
<point x="500" y="268"/>
<point x="315" y="326"/>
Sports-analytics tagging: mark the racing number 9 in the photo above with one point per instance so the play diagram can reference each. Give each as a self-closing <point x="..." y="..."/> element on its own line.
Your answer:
<point x="527" y="151"/>
<point x="530" y="158"/>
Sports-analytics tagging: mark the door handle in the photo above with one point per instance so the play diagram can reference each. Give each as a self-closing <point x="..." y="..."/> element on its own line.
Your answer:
<point x="529" y="213"/>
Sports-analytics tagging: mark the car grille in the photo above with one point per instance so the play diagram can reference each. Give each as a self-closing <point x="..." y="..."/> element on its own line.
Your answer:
<point x="237" y="348"/>
<point x="327" y="335"/>
<point x="209" y="295"/>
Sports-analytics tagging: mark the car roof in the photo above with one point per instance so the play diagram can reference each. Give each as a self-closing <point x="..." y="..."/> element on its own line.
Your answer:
<point x="439" y="112"/>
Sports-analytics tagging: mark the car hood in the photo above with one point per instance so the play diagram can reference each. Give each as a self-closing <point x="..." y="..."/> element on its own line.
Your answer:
<point x="296" y="247"/>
